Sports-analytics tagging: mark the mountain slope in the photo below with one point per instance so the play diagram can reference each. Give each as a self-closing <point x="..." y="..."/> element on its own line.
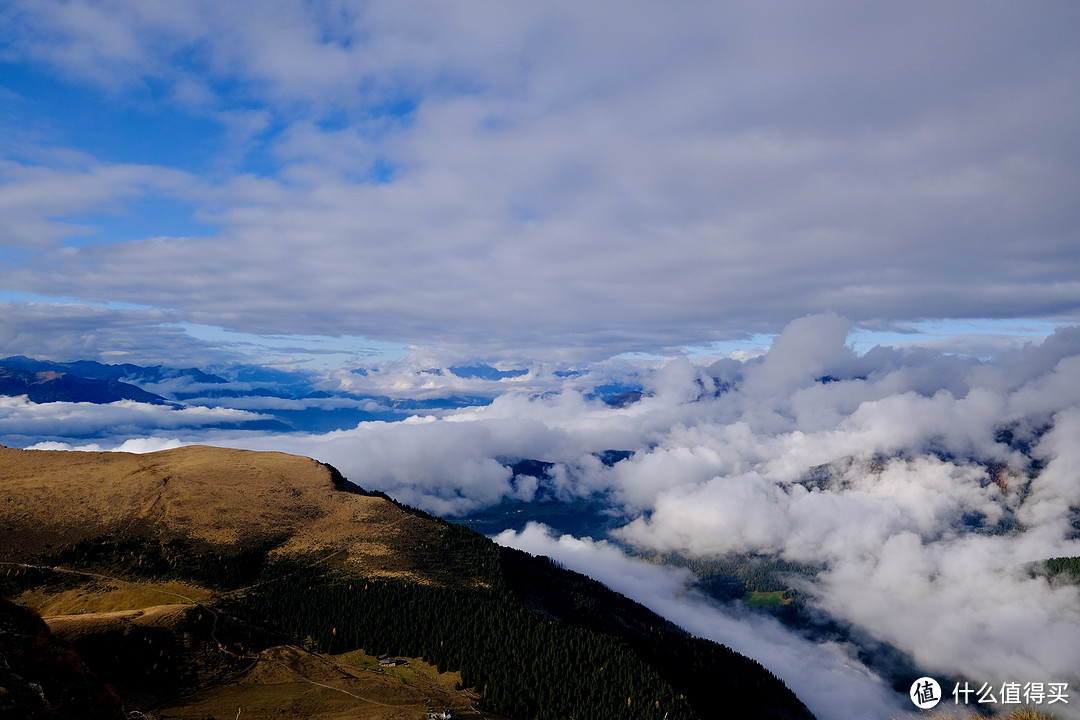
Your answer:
<point x="213" y="498"/>
<point x="42" y="677"/>
<point x="126" y="372"/>
<point x="51" y="386"/>
<point x="278" y="545"/>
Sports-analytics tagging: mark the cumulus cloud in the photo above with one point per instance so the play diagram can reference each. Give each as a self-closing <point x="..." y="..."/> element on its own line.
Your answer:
<point x="65" y="331"/>
<point x="33" y="196"/>
<point x="425" y="374"/>
<point x="560" y="181"/>
<point x="800" y="354"/>
<point x="445" y="466"/>
<point x="133" y="445"/>
<point x="827" y="677"/>
<point x="22" y="420"/>
<point x="924" y="504"/>
<point x="924" y="486"/>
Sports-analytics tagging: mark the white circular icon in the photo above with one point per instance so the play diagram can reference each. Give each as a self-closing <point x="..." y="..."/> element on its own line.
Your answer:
<point x="925" y="693"/>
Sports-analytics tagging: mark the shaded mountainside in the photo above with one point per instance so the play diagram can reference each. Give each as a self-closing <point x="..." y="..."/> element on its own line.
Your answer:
<point x="44" y="386"/>
<point x="41" y="676"/>
<point x="257" y="551"/>
<point x="124" y="372"/>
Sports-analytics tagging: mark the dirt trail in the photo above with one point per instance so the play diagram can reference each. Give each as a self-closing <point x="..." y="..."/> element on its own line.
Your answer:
<point x="345" y="672"/>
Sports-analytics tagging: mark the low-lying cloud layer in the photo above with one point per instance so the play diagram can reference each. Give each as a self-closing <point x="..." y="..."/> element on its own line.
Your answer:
<point x="22" y="419"/>
<point x="924" y="485"/>
<point x="826" y="676"/>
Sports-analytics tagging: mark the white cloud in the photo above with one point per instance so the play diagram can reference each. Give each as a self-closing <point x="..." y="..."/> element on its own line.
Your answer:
<point x="922" y="484"/>
<point x="833" y="683"/>
<point x="964" y="606"/>
<point x="33" y="197"/>
<point x="21" y="418"/>
<point x="906" y="493"/>
<point x="66" y="331"/>
<point x="569" y="181"/>
<point x="134" y="445"/>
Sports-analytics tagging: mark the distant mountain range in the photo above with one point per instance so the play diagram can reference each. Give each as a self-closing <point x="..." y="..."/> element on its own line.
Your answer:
<point x="45" y="386"/>
<point x="44" y="381"/>
<point x="276" y="400"/>
<point x="125" y="372"/>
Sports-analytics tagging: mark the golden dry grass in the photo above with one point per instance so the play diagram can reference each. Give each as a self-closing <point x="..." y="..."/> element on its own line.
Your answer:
<point x="284" y="682"/>
<point x="107" y="596"/>
<point x="288" y="682"/>
<point x="161" y="616"/>
<point x="217" y="496"/>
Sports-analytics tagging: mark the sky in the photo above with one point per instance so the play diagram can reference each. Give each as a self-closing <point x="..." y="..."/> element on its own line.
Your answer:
<point x="836" y="247"/>
<point x="331" y="182"/>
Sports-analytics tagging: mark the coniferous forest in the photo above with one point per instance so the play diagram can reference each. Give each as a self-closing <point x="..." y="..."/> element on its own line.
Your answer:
<point x="536" y="640"/>
<point x="533" y="639"/>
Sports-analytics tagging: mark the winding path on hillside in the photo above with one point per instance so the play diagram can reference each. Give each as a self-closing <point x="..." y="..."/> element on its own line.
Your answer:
<point x="213" y="630"/>
<point x="99" y="576"/>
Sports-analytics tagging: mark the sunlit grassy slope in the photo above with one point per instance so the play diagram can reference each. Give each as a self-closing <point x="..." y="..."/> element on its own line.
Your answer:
<point x="257" y="551"/>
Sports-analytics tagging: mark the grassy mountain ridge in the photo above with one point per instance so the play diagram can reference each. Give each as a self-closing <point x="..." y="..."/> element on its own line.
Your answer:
<point x="270" y="546"/>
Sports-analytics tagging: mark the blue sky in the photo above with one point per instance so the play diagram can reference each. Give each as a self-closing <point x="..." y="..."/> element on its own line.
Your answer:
<point x="506" y="182"/>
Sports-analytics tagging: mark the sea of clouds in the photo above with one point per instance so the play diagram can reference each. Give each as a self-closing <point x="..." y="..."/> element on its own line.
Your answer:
<point x="923" y="484"/>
